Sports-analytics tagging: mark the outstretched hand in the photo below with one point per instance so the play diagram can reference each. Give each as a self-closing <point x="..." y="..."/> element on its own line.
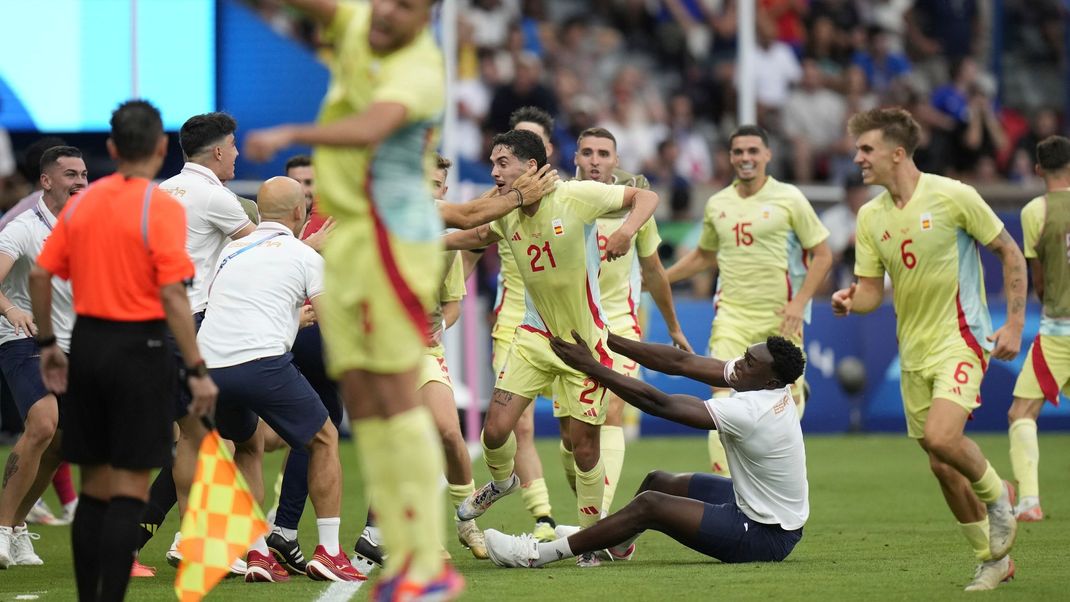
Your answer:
<point x="577" y="355"/>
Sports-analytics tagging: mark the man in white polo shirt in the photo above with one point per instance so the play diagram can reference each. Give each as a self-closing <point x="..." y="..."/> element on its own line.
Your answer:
<point x="756" y="516"/>
<point x="255" y="295"/>
<point x="214" y="216"/>
<point x="35" y="456"/>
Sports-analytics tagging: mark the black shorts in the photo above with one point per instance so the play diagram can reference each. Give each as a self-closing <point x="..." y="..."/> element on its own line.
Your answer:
<point x="183" y="397"/>
<point x="119" y="405"/>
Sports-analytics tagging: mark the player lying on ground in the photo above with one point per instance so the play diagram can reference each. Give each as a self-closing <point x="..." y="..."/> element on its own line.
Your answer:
<point x="755" y="516"/>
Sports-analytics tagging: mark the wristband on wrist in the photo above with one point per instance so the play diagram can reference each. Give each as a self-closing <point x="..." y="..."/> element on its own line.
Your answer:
<point x="45" y="341"/>
<point x="519" y="197"/>
<point x="199" y="370"/>
<point x="8" y="309"/>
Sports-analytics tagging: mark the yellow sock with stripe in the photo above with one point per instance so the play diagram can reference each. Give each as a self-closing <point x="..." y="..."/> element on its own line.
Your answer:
<point x="374" y="453"/>
<point x="611" y="444"/>
<point x="500" y="461"/>
<point x="1025" y="456"/>
<point x="990" y="486"/>
<point x="418" y="463"/>
<point x="590" y="488"/>
<point x="536" y="498"/>
<point x="459" y="493"/>
<point x="568" y="463"/>
<point x="977" y="535"/>
<point x="718" y="457"/>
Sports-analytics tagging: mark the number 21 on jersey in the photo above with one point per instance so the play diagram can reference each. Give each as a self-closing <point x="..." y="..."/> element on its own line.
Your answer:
<point x="536" y="253"/>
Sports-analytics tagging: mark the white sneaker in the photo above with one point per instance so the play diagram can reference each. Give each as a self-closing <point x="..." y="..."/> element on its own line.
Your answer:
<point x="471" y="537"/>
<point x="41" y="514"/>
<point x="7" y="544"/>
<point x="173" y="556"/>
<point x="563" y="531"/>
<point x="513" y="551"/>
<point x="238" y="567"/>
<point x="476" y="504"/>
<point x="22" y="549"/>
<point x="991" y="573"/>
<point x="1002" y="526"/>
<point x="68" y="512"/>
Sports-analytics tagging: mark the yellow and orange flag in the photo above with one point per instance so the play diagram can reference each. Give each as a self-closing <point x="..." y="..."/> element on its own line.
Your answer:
<point x="220" y="524"/>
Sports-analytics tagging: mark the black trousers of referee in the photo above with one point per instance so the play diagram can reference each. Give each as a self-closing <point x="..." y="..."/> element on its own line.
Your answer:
<point x="119" y="406"/>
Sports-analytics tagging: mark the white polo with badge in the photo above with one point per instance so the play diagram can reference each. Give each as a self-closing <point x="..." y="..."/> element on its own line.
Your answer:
<point x="254" y="296"/>
<point x="22" y="240"/>
<point x="213" y="215"/>
<point x="764" y="443"/>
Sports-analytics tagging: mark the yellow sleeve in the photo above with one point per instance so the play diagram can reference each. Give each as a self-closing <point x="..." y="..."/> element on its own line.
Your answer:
<point x="415" y="79"/>
<point x="591" y="200"/>
<point x="453" y="288"/>
<point x="498" y="227"/>
<point x="867" y="261"/>
<point x="807" y="225"/>
<point x="647" y="239"/>
<point x="1032" y="223"/>
<point x="977" y="218"/>
<point x="708" y="239"/>
<point x="343" y="16"/>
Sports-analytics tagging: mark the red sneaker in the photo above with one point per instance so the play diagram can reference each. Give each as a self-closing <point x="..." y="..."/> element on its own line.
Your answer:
<point x="263" y="568"/>
<point x="324" y="567"/>
<point x="139" y="570"/>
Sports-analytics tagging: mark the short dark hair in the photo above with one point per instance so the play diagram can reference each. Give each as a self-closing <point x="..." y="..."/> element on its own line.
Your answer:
<point x="788" y="360"/>
<point x="31" y="159"/>
<point x="897" y="126"/>
<point x="52" y="156"/>
<point x="1053" y="153"/>
<point x="524" y="144"/>
<point x="597" y="133"/>
<point x="749" y="130"/>
<point x="297" y="161"/>
<point x="534" y="115"/>
<point x="442" y="162"/>
<point x="136" y="128"/>
<point x="200" y="131"/>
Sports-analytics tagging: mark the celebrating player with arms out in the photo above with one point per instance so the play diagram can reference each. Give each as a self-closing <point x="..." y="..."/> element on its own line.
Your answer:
<point x="554" y="243"/>
<point x="757" y="232"/>
<point x="922" y="230"/>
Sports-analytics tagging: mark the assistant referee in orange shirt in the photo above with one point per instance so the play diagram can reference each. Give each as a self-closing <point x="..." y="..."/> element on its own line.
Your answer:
<point x="122" y="245"/>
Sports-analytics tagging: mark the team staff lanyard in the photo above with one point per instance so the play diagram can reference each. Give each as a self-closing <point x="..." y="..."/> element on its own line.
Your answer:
<point x="239" y="252"/>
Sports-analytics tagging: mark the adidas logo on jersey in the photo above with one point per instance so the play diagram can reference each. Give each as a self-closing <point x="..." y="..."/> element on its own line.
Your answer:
<point x="516" y="236"/>
<point x="885" y="236"/>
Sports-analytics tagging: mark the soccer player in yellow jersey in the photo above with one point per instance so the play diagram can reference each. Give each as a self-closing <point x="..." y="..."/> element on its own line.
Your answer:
<point x="1046" y="225"/>
<point x="923" y="232"/>
<point x="621" y="283"/>
<point x="555" y="245"/>
<point x="772" y="255"/>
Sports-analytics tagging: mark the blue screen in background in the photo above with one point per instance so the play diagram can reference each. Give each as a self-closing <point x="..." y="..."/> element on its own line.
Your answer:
<point x="66" y="64"/>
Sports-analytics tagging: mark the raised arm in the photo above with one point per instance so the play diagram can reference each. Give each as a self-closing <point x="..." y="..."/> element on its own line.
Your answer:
<point x="642" y="203"/>
<point x="655" y="281"/>
<point x="527" y="189"/>
<point x="476" y="238"/>
<point x="670" y="360"/>
<point x="1008" y="338"/>
<point x="682" y="409"/>
<point x="698" y="260"/>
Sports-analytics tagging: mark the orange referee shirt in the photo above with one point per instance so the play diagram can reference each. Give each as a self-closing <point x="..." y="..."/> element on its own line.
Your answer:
<point x="118" y="244"/>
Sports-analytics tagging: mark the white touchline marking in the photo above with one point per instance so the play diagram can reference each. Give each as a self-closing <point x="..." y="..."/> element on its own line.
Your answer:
<point x="343" y="591"/>
<point x="32" y="596"/>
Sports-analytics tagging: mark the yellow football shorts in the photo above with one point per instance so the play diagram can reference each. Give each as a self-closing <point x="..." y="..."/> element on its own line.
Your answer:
<point x="1046" y="369"/>
<point x="956" y="377"/>
<point x="531" y="367"/>
<point x="621" y="365"/>
<point x="378" y="292"/>
<point x="433" y="368"/>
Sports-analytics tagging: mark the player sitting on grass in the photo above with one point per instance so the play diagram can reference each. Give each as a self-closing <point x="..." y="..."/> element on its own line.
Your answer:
<point x="755" y="516"/>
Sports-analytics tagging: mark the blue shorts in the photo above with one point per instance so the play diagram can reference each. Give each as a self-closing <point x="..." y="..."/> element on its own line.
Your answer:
<point x="270" y="388"/>
<point x="731" y="536"/>
<point x="308" y="357"/>
<point x="183" y="397"/>
<point x="20" y="360"/>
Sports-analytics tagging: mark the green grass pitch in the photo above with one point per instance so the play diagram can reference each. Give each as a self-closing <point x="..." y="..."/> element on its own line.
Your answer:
<point x="878" y="530"/>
